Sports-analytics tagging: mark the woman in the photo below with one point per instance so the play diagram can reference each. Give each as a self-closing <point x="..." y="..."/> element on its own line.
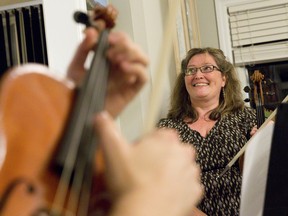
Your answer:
<point x="208" y="112"/>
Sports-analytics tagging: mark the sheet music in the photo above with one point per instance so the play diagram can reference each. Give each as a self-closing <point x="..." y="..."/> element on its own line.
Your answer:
<point x="255" y="172"/>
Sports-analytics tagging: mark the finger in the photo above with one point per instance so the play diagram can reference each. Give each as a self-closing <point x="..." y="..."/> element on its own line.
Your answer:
<point x="112" y="11"/>
<point x="89" y="41"/>
<point x="164" y="137"/>
<point x="122" y="48"/>
<point x="113" y="144"/>
<point x="79" y="58"/>
<point x="253" y="130"/>
<point x="115" y="151"/>
<point x="190" y="151"/>
<point x="133" y="73"/>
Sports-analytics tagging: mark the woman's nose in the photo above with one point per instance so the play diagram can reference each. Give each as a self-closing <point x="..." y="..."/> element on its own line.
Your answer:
<point x="198" y="75"/>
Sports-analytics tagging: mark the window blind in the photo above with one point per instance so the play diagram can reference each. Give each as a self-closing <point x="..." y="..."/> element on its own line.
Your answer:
<point x="22" y="37"/>
<point x="259" y="31"/>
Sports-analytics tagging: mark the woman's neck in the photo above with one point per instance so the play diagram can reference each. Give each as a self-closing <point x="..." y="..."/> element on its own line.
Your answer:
<point x="204" y="108"/>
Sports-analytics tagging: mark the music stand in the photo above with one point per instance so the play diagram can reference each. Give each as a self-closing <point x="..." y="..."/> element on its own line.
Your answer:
<point x="276" y="195"/>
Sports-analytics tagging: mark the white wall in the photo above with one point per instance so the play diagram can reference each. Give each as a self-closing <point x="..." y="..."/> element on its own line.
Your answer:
<point x="62" y="33"/>
<point x="207" y="23"/>
<point x="143" y="20"/>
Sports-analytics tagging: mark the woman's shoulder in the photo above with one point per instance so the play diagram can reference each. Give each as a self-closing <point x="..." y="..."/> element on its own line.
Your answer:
<point x="168" y="122"/>
<point x="249" y="111"/>
<point x="165" y="121"/>
<point x="245" y="110"/>
<point x="243" y="114"/>
<point x="247" y="114"/>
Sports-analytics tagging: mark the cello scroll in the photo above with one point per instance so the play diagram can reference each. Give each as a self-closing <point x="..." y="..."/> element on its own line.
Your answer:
<point x="257" y="78"/>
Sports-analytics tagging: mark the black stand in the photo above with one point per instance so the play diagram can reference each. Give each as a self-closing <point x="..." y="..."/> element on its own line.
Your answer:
<point x="276" y="196"/>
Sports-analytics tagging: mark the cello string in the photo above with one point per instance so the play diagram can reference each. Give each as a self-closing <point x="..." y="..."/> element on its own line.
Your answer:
<point x="74" y="138"/>
<point x="97" y="105"/>
<point x="95" y="92"/>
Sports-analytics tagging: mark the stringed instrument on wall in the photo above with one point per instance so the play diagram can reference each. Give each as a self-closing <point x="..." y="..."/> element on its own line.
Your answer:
<point x="49" y="137"/>
<point x="257" y="78"/>
<point x="271" y="92"/>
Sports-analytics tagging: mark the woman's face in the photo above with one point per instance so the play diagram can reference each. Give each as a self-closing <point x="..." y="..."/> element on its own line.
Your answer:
<point x="204" y="86"/>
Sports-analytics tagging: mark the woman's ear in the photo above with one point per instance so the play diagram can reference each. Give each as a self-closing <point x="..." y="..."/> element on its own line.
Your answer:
<point x="223" y="81"/>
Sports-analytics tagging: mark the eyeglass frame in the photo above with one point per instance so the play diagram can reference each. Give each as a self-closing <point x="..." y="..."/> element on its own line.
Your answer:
<point x="201" y="69"/>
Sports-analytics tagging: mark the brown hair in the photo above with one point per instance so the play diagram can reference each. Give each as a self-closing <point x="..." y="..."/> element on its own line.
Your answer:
<point x="230" y="101"/>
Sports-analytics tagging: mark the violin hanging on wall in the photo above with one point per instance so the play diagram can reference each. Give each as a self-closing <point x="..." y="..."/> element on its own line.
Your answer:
<point x="38" y="110"/>
<point x="262" y="97"/>
<point x="257" y="79"/>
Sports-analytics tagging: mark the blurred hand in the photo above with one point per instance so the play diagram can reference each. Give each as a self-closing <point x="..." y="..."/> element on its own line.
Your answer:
<point x="157" y="175"/>
<point x="127" y="68"/>
<point x="253" y="130"/>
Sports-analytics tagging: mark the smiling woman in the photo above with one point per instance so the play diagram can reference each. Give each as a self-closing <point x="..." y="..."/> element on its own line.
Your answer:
<point x="204" y="86"/>
<point x="208" y="112"/>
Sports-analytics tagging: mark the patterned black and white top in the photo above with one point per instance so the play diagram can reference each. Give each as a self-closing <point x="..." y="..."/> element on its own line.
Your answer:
<point x="214" y="152"/>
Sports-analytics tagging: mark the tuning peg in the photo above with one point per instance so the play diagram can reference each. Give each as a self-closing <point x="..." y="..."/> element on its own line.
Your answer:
<point x="81" y="17"/>
<point x="247" y="89"/>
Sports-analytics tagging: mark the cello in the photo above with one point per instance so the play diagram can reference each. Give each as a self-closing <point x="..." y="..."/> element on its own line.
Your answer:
<point x="47" y="129"/>
<point x="257" y="78"/>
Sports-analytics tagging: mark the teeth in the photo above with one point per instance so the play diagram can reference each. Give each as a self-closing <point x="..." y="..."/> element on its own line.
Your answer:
<point x="200" y="84"/>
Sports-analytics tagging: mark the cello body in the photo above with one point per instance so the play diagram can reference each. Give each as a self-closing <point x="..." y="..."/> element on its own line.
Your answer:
<point x="49" y="167"/>
<point x="34" y="108"/>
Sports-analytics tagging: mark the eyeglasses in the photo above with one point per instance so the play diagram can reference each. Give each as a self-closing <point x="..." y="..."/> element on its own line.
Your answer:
<point x="203" y="69"/>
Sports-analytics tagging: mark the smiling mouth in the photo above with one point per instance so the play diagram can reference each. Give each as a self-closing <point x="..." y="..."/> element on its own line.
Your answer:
<point x="200" y="84"/>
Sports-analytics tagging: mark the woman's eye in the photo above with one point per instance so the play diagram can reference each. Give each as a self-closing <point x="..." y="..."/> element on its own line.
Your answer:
<point x="192" y="70"/>
<point x="207" y="68"/>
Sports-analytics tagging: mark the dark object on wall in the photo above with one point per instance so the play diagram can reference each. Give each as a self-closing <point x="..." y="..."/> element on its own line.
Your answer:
<point x="39" y="35"/>
<point x="3" y="55"/>
<point x="274" y="84"/>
